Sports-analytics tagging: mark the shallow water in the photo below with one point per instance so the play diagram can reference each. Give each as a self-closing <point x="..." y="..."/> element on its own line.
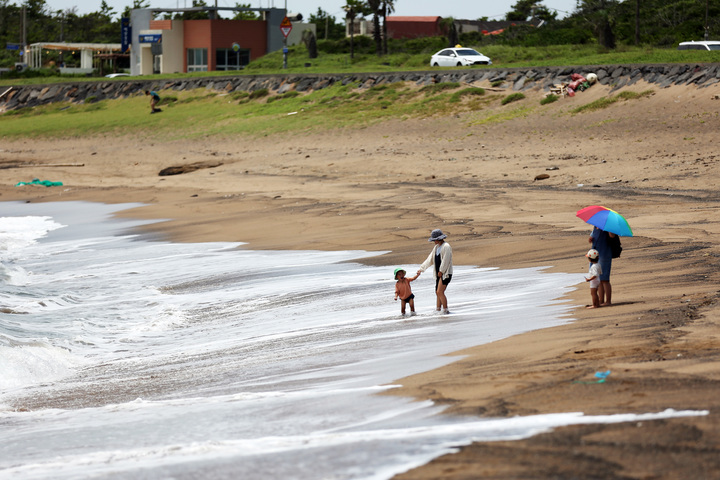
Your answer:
<point x="129" y="357"/>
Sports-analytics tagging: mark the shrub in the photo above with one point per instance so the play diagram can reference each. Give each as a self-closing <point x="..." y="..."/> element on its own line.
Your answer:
<point x="290" y="94"/>
<point x="549" y="99"/>
<point x="168" y="99"/>
<point x="513" y="97"/>
<point x="465" y="92"/>
<point x="439" y="87"/>
<point x="262" y="92"/>
<point x="239" y="95"/>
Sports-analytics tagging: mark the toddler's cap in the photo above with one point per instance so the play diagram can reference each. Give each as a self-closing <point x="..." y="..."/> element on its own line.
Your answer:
<point x="592" y="254"/>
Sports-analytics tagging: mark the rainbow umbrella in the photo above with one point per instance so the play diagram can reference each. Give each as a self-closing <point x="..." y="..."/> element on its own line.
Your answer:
<point x="605" y="219"/>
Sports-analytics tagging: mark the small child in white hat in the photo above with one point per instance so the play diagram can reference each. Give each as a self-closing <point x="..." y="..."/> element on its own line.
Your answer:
<point x="594" y="277"/>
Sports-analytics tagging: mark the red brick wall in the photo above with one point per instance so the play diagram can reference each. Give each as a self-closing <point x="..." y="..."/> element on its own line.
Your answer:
<point x="249" y="34"/>
<point x="213" y="34"/>
<point x="161" y="25"/>
<point x="413" y="29"/>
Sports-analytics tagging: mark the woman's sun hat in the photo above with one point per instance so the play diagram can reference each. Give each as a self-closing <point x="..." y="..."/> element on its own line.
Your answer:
<point x="592" y="254"/>
<point x="436" y="235"/>
<point x="398" y="270"/>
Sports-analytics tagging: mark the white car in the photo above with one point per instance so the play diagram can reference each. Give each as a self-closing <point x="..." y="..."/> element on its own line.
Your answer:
<point x="704" y="45"/>
<point x="458" y="57"/>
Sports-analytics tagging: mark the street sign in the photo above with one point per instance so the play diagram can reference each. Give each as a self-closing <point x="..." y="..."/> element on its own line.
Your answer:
<point x="286" y="27"/>
<point x="125" y="34"/>
<point x="150" y="38"/>
<point x="16" y="46"/>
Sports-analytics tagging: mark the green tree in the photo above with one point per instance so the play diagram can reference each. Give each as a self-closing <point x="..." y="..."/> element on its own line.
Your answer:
<point x="326" y="25"/>
<point x="521" y="11"/>
<point x="388" y="7"/>
<point x="599" y="15"/>
<point x="354" y="9"/>
<point x="245" y="14"/>
<point x="525" y="10"/>
<point x="198" y="15"/>
<point x="136" y="4"/>
<point x="375" y="7"/>
<point x="449" y="28"/>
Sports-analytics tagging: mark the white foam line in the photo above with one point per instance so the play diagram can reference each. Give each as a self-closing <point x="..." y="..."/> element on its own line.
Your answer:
<point x="482" y="430"/>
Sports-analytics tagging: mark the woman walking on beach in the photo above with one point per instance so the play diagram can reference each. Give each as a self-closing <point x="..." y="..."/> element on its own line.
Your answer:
<point x="600" y="240"/>
<point x="441" y="258"/>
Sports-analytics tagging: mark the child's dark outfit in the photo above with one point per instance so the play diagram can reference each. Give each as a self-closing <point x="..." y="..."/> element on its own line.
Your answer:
<point x="404" y="292"/>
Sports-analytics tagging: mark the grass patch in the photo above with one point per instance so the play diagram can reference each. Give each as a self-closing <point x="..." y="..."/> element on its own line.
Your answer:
<point x="602" y="103"/>
<point x="549" y="99"/>
<point x="521" y="112"/>
<point x="282" y="96"/>
<point x="439" y="87"/>
<point x="466" y="92"/>
<point x="513" y="97"/>
<point x="604" y="122"/>
<point x="259" y="93"/>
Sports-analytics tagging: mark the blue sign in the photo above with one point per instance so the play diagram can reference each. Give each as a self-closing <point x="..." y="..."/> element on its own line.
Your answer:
<point x="125" y="34"/>
<point x="150" y="38"/>
<point x="13" y="46"/>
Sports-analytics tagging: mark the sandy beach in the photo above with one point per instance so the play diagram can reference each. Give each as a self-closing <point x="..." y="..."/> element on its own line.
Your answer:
<point x="384" y="187"/>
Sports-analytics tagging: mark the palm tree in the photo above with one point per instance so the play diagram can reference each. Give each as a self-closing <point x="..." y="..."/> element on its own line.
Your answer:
<point x="600" y="15"/>
<point x="374" y="6"/>
<point x="352" y="8"/>
<point x="447" y="25"/>
<point x="388" y="7"/>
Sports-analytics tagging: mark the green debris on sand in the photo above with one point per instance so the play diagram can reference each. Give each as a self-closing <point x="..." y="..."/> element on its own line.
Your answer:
<point x="37" y="181"/>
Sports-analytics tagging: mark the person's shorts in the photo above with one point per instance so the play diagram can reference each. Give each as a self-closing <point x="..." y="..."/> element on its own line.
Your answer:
<point x="605" y="265"/>
<point x="412" y="295"/>
<point x="445" y="281"/>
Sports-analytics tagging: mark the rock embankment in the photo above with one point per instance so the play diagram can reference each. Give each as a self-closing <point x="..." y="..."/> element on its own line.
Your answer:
<point x="517" y="79"/>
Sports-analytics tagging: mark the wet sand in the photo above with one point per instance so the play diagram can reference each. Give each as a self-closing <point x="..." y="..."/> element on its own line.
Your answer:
<point x="386" y="186"/>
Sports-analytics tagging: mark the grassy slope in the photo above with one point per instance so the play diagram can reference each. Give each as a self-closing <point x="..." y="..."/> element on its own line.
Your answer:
<point x="203" y="113"/>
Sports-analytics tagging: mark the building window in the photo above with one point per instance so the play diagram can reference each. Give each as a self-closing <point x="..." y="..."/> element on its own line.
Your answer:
<point x="228" y="59"/>
<point x="197" y="60"/>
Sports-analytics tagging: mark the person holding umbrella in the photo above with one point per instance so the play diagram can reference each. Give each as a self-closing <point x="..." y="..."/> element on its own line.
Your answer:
<point x="441" y="258"/>
<point x="607" y="224"/>
<point x="600" y="240"/>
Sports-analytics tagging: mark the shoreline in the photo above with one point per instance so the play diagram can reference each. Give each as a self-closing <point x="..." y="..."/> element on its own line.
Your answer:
<point x="387" y="186"/>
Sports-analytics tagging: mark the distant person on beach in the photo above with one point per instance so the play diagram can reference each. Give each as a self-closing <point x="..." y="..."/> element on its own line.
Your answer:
<point x="599" y="240"/>
<point x="594" y="277"/>
<point x="441" y="258"/>
<point x="403" y="290"/>
<point x="154" y="100"/>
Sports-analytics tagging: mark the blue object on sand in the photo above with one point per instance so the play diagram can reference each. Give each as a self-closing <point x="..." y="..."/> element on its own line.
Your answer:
<point x="602" y="375"/>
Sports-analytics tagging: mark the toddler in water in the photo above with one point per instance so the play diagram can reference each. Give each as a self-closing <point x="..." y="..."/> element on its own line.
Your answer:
<point x="594" y="278"/>
<point x="403" y="290"/>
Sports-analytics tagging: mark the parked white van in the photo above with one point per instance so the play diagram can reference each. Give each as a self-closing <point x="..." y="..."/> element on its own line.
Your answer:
<point x="702" y="45"/>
